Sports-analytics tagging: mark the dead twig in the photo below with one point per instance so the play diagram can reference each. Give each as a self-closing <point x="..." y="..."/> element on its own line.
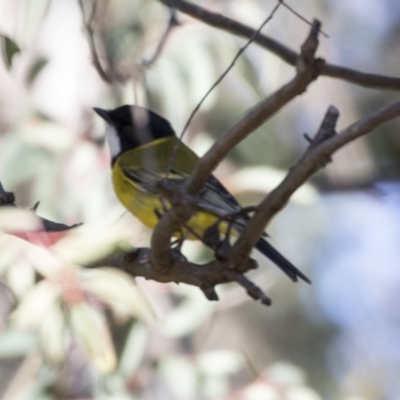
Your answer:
<point x="172" y="23"/>
<point x="89" y="27"/>
<point x="220" y="79"/>
<point x="298" y="15"/>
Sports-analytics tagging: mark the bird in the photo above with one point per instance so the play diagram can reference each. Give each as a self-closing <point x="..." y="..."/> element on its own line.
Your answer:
<point x="145" y="150"/>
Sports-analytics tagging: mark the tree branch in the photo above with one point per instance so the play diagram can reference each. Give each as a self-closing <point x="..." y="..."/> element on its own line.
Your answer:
<point x="138" y="263"/>
<point x="89" y="27"/>
<point x="227" y="70"/>
<point x="289" y="56"/>
<point x="326" y="142"/>
<point x="172" y="23"/>
<point x="307" y="70"/>
<point x="111" y="73"/>
<point x="183" y="204"/>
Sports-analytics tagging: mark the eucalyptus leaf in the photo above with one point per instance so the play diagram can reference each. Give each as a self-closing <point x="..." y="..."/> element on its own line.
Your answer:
<point x="134" y="350"/>
<point x="32" y="15"/>
<point x="35" y="69"/>
<point x="220" y="362"/>
<point x="90" y="328"/>
<point x="35" y="305"/>
<point x="16" y="343"/>
<point x="9" y="50"/>
<point x="189" y="316"/>
<point x="181" y="376"/>
<point x="54" y="335"/>
<point x="14" y="219"/>
<point x="20" y="277"/>
<point x="118" y="291"/>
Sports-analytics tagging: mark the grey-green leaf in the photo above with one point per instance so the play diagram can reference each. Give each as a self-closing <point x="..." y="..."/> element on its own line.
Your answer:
<point x="35" y="68"/>
<point x="10" y="49"/>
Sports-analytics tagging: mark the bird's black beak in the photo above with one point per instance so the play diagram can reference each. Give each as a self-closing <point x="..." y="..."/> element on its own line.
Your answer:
<point x="103" y="113"/>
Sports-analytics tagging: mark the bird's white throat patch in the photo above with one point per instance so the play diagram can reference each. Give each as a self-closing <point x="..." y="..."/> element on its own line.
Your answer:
<point x="113" y="140"/>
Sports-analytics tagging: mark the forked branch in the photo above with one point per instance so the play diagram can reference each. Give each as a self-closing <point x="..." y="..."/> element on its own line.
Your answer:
<point x="308" y="69"/>
<point x="285" y="53"/>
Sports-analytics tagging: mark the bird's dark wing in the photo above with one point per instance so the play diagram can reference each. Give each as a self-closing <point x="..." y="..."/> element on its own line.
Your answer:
<point x="147" y="178"/>
<point x="213" y="197"/>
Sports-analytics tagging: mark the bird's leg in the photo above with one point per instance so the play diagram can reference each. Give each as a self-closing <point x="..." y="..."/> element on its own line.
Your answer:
<point x="224" y="246"/>
<point x="211" y="237"/>
<point x="177" y="243"/>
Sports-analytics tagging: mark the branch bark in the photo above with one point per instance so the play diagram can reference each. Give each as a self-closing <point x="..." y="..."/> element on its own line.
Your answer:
<point x="138" y="263"/>
<point x="288" y="55"/>
<point x="308" y="69"/>
<point x="326" y="142"/>
<point x="89" y="27"/>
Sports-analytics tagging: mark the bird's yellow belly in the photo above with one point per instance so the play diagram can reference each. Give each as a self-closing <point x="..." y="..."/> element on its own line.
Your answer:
<point x="147" y="208"/>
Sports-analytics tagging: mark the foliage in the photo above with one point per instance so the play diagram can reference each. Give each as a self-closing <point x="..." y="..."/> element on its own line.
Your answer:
<point x="72" y="332"/>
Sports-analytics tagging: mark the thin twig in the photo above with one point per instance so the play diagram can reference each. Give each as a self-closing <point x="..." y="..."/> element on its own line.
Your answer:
<point x="219" y="80"/>
<point x="289" y="56"/>
<point x="298" y="15"/>
<point x="308" y="70"/>
<point x="252" y="290"/>
<point x="172" y="23"/>
<point x="230" y="66"/>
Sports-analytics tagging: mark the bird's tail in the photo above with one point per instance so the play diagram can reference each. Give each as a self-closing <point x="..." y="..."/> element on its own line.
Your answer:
<point x="277" y="258"/>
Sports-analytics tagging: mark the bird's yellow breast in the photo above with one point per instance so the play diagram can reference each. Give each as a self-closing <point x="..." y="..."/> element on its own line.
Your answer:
<point x="146" y="205"/>
<point x="142" y="204"/>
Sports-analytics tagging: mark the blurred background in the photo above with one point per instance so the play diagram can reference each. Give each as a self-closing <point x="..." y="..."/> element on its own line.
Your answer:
<point x="67" y="332"/>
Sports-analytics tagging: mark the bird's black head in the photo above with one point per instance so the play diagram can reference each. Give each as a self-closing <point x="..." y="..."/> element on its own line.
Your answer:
<point x="132" y="126"/>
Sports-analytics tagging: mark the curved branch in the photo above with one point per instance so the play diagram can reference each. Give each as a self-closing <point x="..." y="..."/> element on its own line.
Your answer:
<point x="308" y="69"/>
<point x="182" y="204"/>
<point x="138" y="262"/>
<point x="318" y="154"/>
<point x="286" y="54"/>
<point x="172" y="23"/>
<point x="89" y="27"/>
